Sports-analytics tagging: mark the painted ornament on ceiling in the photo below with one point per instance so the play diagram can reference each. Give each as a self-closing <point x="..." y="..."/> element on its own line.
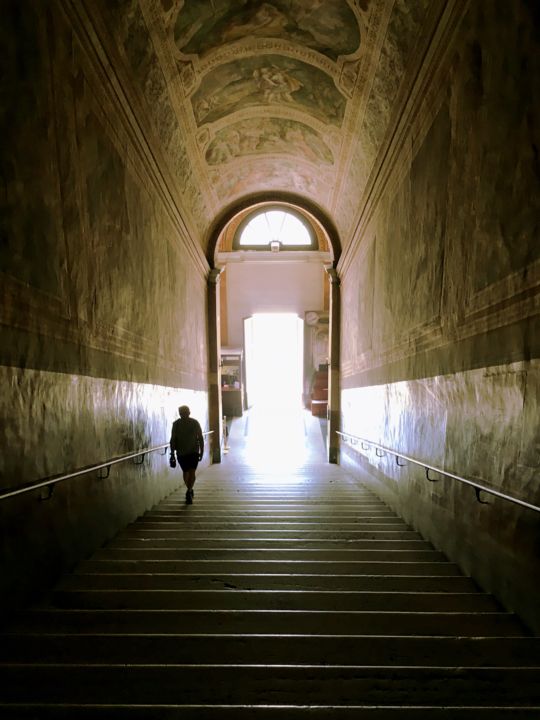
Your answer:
<point x="329" y="27"/>
<point x="264" y="175"/>
<point x="267" y="80"/>
<point x="268" y="135"/>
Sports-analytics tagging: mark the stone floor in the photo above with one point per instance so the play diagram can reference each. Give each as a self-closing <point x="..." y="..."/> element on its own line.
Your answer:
<point x="276" y="438"/>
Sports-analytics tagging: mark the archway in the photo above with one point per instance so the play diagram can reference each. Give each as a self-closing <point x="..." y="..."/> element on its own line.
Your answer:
<point x="273" y="277"/>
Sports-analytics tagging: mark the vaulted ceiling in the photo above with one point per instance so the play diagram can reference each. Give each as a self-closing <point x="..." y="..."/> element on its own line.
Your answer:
<point x="245" y="98"/>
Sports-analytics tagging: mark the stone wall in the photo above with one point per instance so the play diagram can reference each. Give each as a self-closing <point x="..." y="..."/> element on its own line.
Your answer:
<point x="103" y="308"/>
<point x="440" y="337"/>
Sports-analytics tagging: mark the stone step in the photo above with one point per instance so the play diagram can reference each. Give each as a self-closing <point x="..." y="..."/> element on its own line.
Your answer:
<point x="268" y="544"/>
<point x="271" y="649"/>
<point x="244" y="489"/>
<point x="269" y="603"/>
<point x="279" y="567"/>
<point x="270" y="622"/>
<point x="279" y="499"/>
<point x="66" y="711"/>
<point x="189" y="515"/>
<point x="275" y="527"/>
<point x="275" y="684"/>
<point x="374" y="532"/>
<point x="268" y="581"/>
<point x="276" y="600"/>
<point x="102" y="561"/>
<point x="304" y="513"/>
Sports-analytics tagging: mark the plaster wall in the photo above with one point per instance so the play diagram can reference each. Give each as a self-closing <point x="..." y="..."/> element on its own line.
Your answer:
<point x="280" y="287"/>
<point x="440" y="334"/>
<point x="103" y="313"/>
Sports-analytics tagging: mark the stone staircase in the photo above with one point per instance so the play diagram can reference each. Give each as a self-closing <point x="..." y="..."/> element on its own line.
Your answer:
<point x="271" y="597"/>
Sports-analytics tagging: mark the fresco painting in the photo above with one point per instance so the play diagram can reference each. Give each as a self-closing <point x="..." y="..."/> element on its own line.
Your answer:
<point x="265" y="176"/>
<point x="417" y="211"/>
<point x="326" y="26"/>
<point x="268" y="135"/>
<point x="268" y="80"/>
<point x="364" y="302"/>
<point x="29" y="222"/>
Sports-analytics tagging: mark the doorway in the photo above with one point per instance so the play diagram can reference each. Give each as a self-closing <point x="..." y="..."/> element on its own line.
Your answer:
<point x="277" y="431"/>
<point x="274" y="352"/>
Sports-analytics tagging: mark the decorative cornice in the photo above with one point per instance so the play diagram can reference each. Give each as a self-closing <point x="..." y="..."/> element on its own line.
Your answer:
<point x="214" y="275"/>
<point x="333" y="275"/>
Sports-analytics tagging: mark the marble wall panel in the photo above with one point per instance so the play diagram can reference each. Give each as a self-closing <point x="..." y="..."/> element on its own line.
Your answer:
<point x="478" y="424"/>
<point x="58" y="422"/>
<point x="497" y="132"/>
<point x="410" y="241"/>
<point x="52" y="423"/>
<point x="30" y="226"/>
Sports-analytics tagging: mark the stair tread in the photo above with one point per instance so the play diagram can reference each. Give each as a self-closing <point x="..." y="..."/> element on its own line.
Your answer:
<point x="326" y="606"/>
<point x="271" y="683"/>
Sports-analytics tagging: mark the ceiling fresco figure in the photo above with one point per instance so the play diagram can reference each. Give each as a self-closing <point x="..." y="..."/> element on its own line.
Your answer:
<point x="266" y="80"/>
<point x="276" y="85"/>
<point x="329" y="27"/>
<point x="263" y="135"/>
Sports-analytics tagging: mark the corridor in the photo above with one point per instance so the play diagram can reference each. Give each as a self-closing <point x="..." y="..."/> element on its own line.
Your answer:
<point x="195" y="197"/>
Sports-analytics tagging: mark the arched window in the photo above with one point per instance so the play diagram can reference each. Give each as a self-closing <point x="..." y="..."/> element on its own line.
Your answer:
<point x="274" y="229"/>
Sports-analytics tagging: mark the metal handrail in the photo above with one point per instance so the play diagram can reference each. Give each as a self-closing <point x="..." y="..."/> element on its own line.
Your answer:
<point x="55" y="479"/>
<point x="477" y="486"/>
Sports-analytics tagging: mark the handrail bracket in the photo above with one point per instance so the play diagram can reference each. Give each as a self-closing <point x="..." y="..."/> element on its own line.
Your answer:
<point x="46" y="493"/>
<point x="104" y="477"/>
<point x="477" y="492"/>
<point x="381" y="450"/>
<point x="430" y="478"/>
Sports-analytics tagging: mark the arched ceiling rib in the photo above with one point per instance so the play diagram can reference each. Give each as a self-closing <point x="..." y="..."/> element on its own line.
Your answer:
<point x="248" y="97"/>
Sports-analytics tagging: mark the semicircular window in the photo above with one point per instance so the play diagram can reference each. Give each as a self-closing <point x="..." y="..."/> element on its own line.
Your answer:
<point x="274" y="229"/>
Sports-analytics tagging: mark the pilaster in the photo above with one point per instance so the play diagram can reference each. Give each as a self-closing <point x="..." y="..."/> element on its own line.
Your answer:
<point x="214" y="379"/>
<point x="333" y="367"/>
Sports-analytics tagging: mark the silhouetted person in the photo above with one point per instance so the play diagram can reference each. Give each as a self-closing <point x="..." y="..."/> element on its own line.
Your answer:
<point x="188" y="442"/>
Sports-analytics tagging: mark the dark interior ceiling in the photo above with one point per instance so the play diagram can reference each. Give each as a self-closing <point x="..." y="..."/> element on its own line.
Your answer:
<point x="246" y="97"/>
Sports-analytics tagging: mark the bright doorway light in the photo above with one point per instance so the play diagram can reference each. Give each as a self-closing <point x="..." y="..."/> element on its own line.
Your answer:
<point x="274" y="344"/>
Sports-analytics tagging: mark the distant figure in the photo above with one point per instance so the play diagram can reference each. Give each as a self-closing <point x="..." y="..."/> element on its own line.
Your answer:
<point x="188" y="442"/>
